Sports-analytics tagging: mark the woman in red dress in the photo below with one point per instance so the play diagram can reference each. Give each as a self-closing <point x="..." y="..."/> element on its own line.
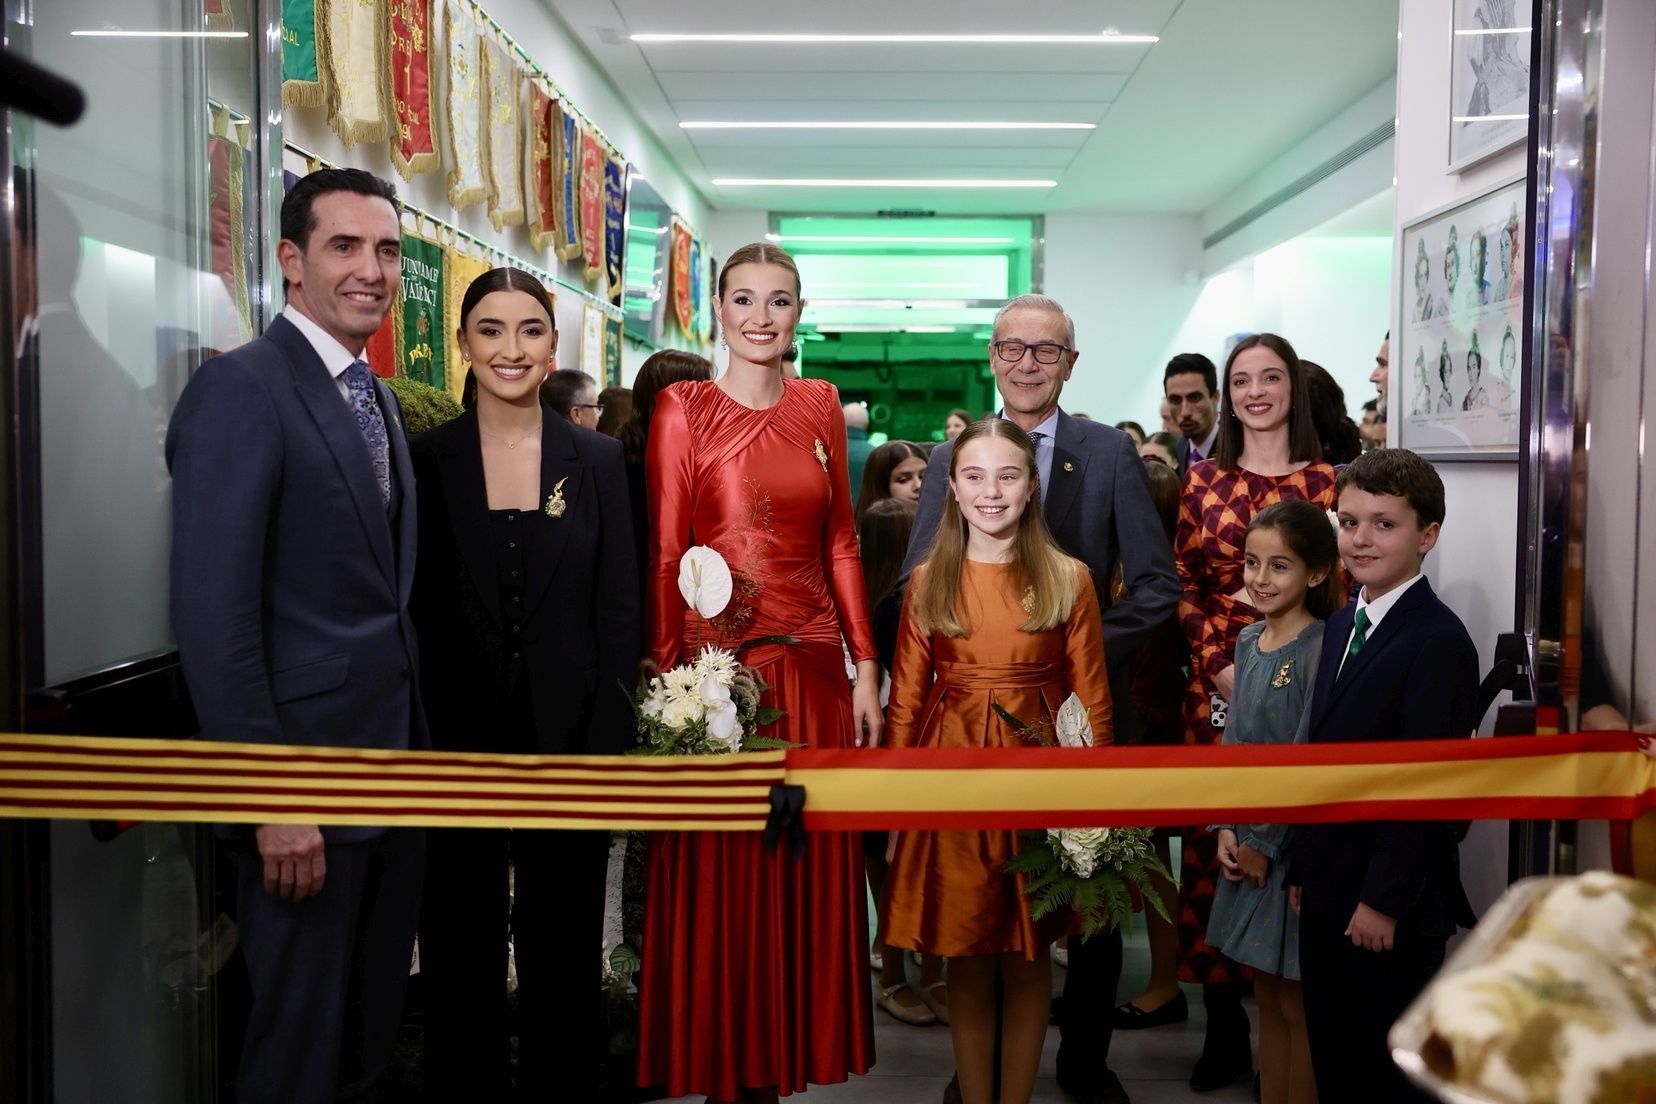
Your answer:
<point x="1267" y="451"/>
<point x="755" y="977"/>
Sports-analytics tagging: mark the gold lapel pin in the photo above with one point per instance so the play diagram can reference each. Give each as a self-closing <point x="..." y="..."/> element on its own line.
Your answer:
<point x="555" y="501"/>
<point x="1069" y="465"/>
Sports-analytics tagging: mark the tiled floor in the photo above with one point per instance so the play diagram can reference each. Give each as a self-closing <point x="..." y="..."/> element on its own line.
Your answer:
<point x="913" y="1064"/>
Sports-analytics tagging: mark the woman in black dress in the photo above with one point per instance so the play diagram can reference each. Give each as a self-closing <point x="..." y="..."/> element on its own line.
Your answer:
<point x="526" y="606"/>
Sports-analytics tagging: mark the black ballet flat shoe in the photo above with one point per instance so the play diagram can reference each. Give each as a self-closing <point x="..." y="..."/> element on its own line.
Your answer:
<point x="1130" y="1017"/>
<point x="1214" y="1072"/>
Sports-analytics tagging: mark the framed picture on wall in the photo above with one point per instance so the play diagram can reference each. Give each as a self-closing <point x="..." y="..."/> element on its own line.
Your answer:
<point x="1457" y="356"/>
<point x="1489" y="79"/>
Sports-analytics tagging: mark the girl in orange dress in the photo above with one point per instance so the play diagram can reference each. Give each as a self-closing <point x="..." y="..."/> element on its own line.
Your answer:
<point x="997" y="615"/>
<point x="755" y="979"/>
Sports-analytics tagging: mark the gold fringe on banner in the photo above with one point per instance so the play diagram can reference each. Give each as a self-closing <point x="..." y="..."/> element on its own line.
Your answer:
<point x="355" y="42"/>
<point x="302" y="19"/>
<point x="502" y="140"/>
<point x="464" y="66"/>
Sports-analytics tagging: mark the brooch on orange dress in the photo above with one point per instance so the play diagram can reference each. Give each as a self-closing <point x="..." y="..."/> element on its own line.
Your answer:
<point x="821" y="454"/>
<point x="1283" y="678"/>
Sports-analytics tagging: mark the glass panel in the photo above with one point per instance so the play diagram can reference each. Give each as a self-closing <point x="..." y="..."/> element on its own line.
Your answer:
<point x="649" y="243"/>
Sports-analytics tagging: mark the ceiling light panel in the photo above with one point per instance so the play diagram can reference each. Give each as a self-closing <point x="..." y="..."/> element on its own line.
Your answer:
<point x="842" y="39"/>
<point x="876" y="124"/>
<point x="1025" y="95"/>
<point x="892" y="182"/>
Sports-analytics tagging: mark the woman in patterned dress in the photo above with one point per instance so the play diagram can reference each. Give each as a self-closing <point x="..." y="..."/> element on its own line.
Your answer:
<point x="1267" y="451"/>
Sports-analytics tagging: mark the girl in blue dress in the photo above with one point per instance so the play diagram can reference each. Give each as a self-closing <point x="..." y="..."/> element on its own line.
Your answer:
<point x="1291" y="572"/>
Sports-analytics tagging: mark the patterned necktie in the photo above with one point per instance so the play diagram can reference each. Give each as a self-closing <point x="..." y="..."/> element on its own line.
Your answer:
<point x="1359" y="635"/>
<point x="371" y="422"/>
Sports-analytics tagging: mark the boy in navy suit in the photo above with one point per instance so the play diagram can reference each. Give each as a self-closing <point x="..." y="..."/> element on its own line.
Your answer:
<point x="1378" y="900"/>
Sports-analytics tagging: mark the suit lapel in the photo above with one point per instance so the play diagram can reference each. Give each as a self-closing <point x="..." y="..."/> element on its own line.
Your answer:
<point x="467" y="496"/>
<point x="402" y="490"/>
<point x="1334" y="645"/>
<point x="561" y="476"/>
<point x="1390" y="628"/>
<point x="1069" y="465"/>
<point x="320" y="395"/>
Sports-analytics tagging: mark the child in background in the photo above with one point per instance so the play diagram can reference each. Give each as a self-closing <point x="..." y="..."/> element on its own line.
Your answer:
<point x="997" y="615"/>
<point x="883" y="535"/>
<point x="1290" y="567"/>
<point x="1378" y="900"/>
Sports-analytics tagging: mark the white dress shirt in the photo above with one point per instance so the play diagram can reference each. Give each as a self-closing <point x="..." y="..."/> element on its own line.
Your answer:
<point x="1375" y="611"/>
<point x="1043" y="448"/>
<point x="1204" y="451"/>
<point x="335" y="357"/>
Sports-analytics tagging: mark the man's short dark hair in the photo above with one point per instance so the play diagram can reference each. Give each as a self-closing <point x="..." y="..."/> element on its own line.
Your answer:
<point x="297" y="221"/>
<point x="1197" y="363"/>
<point x="1401" y="473"/>
<point x="564" y="387"/>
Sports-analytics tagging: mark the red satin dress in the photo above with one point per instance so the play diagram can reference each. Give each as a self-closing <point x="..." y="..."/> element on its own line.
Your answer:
<point x="947" y="893"/>
<point x="755" y="964"/>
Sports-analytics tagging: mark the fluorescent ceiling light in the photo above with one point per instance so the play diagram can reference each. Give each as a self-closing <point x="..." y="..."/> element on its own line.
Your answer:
<point x="886" y="239"/>
<point x="913" y="39"/>
<point x="891" y="304"/>
<point x="157" y="34"/>
<point x="815" y="182"/>
<point x="884" y="125"/>
<point x="855" y="328"/>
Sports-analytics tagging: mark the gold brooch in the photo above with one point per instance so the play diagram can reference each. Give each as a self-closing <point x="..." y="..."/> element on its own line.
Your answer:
<point x="821" y="454"/>
<point x="1068" y="466"/>
<point x="1283" y="678"/>
<point x="1028" y="600"/>
<point x="555" y="501"/>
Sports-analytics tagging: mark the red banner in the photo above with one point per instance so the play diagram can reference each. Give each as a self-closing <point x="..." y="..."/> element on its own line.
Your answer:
<point x="683" y="308"/>
<point x="414" y="137"/>
<point x="592" y="203"/>
<point x="543" y="218"/>
<point x="382" y="347"/>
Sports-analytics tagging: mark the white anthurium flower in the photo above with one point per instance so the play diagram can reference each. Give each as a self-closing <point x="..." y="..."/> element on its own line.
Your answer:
<point x="714" y="694"/>
<point x="723" y="728"/>
<point x="704" y="580"/>
<point x="1073" y="725"/>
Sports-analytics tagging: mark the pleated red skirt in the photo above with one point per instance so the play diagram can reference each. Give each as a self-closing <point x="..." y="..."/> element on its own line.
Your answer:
<point x="755" y="966"/>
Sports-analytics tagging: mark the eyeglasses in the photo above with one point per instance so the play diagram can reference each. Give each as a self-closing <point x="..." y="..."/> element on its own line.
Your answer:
<point x="1045" y="352"/>
<point x="596" y="408"/>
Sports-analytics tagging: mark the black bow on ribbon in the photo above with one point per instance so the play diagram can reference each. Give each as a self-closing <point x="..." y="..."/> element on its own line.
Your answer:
<point x="787" y="817"/>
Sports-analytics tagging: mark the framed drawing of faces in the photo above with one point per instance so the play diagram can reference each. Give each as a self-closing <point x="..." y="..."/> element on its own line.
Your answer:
<point x="1458" y="363"/>
<point x="1489" y="79"/>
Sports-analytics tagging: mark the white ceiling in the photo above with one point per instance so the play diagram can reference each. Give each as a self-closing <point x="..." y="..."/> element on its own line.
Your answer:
<point x="1230" y="85"/>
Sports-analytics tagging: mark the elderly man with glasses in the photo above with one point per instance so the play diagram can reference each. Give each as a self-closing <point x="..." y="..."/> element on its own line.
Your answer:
<point x="1097" y="503"/>
<point x="574" y="394"/>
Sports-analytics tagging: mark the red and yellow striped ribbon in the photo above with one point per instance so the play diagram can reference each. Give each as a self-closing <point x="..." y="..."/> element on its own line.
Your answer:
<point x="1578" y="776"/>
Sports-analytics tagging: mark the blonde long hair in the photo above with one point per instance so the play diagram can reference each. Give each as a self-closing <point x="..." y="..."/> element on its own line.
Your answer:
<point x="1040" y="568"/>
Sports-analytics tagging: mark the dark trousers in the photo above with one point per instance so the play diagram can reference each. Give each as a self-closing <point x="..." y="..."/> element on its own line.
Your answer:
<point x="556" y="921"/>
<point x="328" y="973"/>
<point x="1089" y="1000"/>
<point x="1352" y="998"/>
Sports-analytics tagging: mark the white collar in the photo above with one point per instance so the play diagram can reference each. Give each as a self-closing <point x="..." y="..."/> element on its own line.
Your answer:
<point x="1382" y="605"/>
<point x="1048" y="427"/>
<point x="1206" y="446"/>
<point x="335" y="357"/>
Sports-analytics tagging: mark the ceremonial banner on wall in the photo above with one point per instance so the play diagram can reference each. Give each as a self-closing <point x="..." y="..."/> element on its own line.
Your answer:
<point x="414" y="135"/>
<point x="381" y="351"/>
<point x="304" y="78"/>
<point x="227" y="210"/>
<point x="612" y="352"/>
<point x="681" y="277"/>
<point x="593" y="160"/>
<point x="464" y="67"/>
<point x="543" y="202"/>
<point x="698" y="309"/>
<point x="501" y="146"/>
<point x="615" y="225"/>
<point x="709" y="274"/>
<point x="592" y="341"/>
<point x="566" y="157"/>
<point x="354" y="47"/>
<point x="420" y="342"/>
<point x="459" y="270"/>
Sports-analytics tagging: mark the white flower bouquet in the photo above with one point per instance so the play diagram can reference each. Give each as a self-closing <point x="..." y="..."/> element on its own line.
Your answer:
<point x="1096" y="872"/>
<point x="709" y="706"/>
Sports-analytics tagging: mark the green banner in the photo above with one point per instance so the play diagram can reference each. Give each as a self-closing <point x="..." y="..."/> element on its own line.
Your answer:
<point x="299" y="41"/>
<point x="420" y="340"/>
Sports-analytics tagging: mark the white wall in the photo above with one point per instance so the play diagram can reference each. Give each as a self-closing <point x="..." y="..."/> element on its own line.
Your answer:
<point x="556" y="50"/>
<point x="1472" y="568"/>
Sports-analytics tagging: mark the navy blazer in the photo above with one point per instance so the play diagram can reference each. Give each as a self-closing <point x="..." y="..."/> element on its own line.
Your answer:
<point x="291" y="577"/>
<point x="1416" y="678"/>
<point x="582" y="632"/>
<point x="1099" y="509"/>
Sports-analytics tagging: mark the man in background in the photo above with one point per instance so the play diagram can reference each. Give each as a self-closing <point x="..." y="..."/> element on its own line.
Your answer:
<point x="1191" y="385"/>
<point x="574" y="395"/>
<point x="857" y="447"/>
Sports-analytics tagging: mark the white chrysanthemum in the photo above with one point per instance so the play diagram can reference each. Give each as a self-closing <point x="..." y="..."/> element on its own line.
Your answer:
<point x="723" y="728"/>
<point x="681" y="711"/>
<point x="680" y="681"/>
<point x="716" y="663"/>
<point x="704" y="581"/>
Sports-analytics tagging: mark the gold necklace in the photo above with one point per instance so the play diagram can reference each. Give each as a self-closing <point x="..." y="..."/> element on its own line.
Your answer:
<point x="506" y="441"/>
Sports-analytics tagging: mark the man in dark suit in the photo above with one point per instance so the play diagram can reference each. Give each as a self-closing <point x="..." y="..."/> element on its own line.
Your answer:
<point x="1097" y="503"/>
<point x="292" y="563"/>
<point x="1190" y="384"/>
<point x="1378" y="900"/>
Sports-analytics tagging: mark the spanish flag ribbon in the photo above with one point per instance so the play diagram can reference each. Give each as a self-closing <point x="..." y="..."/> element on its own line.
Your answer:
<point x="1600" y="775"/>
